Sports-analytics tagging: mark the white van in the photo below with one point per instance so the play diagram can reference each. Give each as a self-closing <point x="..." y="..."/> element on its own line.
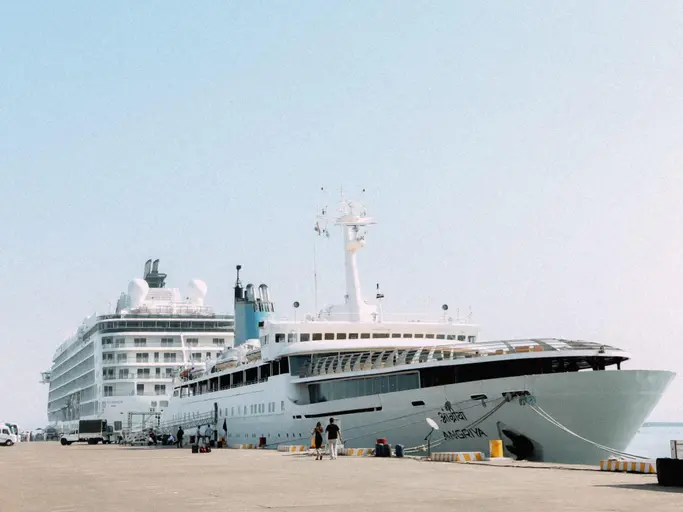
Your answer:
<point x="6" y="436"/>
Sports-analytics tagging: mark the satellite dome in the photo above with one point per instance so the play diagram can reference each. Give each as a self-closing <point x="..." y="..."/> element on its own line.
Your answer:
<point x="196" y="291"/>
<point x="137" y="291"/>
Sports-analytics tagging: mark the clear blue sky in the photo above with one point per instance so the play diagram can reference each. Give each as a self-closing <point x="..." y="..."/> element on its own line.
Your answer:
<point x="521" y="159"/>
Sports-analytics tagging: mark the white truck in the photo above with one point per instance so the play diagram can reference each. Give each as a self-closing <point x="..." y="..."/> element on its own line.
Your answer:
<point x="89" y="431"/>
<point x="7" y="437"/>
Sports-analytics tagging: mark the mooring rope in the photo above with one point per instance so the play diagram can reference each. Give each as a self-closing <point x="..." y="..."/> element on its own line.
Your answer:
<point x="538" y="410"/>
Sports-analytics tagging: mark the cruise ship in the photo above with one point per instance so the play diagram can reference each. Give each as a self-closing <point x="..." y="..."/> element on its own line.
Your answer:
<point x="547" y="399"/>
<point x="120" y="366"/>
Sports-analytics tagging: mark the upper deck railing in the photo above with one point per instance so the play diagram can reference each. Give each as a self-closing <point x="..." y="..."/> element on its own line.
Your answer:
<point x="393" y="357"/>
<point x="169" y="312"/>
<point x="402" y="318"/>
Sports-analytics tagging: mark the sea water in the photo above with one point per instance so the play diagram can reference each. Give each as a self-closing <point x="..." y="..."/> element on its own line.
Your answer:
<point x="653" y="439"/>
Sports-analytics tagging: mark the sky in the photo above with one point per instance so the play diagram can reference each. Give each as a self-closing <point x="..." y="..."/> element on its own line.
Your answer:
<point x="522" y="160"/>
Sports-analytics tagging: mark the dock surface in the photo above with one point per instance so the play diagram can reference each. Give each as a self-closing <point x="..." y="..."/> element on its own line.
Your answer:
<point x="45" y="476"/>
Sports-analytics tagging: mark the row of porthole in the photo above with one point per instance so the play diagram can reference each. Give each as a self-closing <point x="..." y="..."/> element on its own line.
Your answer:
<point x="255" y="436"/>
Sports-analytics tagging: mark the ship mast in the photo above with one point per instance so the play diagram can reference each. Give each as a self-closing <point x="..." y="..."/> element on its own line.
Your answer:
<point x="353" y="218"/>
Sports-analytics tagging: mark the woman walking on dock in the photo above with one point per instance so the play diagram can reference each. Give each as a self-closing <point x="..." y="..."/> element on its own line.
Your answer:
<point x="318" y="433"/>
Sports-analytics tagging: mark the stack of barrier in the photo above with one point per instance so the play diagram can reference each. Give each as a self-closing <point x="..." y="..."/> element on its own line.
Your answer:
<point x="628" y="466"/>
<point x="457" y="456"/>
<point x="356" y="451"/>
<point x="244" y="446"/>
<point x="292" y="448"/>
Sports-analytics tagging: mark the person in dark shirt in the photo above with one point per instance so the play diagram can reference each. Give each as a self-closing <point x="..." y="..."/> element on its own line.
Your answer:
<point x="179" y="437"/>
<point x="318" y="442"/>
<point x="333" y="436"/>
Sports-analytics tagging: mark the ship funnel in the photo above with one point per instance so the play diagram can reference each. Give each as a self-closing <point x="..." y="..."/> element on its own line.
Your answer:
<point x="250" y="314"/>
<point x="263" y="293"/>
<point x="155" y="266"/>
<point x="250" y="293"/>
<point x="148" y="268"/>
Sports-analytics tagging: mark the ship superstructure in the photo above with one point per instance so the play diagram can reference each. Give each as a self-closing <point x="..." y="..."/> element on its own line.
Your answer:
<point x="547" y="399"/>
<point x="120" y="366"/>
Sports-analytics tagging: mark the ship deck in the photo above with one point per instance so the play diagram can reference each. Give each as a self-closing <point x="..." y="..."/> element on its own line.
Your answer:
<point x="46" y="476"/>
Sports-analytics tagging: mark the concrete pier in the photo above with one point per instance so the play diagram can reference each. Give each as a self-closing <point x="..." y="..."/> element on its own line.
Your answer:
<point x="44" y="476"/>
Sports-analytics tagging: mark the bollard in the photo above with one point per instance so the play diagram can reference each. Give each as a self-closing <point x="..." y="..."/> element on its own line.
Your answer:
<point x="496" y="448"/>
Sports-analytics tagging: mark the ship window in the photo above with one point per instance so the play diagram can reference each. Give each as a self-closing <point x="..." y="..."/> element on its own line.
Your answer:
<point x="461" y="337"/>
<point x="380" y="335"/>
<point x="419" y="335"/>
<point x="341" y="335"/>
<point x="408" y="335"/>
<point x="351" y="388"/>
<point x="279" y="337"/>
<point x="395" y="334"/>
<point x="317" y="336"/>
<point x="329" y="335"/>
<point x="298" y="363"/>
<point x="163" y="403"/>
<point x="291" y="337"/>
<point x="364" y="335"/>
<point x="304" y="336"/>
<point x="219" y="342"/>
<point x="440" y="336"/>
<point x="282" y="405"/>
<point x="140" y="342"/>
<point x="265" y="371"/>
<point x="192" y="342"/>
<point x="251" y="375"/>
<point x="430" y="336"/>
<point x="353" y="335"/>
<point x="140" y="389"/>
<point x="471" y="339"/>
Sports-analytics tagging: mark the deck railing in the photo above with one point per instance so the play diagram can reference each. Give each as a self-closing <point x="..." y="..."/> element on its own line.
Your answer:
<point x="377" y="359"/>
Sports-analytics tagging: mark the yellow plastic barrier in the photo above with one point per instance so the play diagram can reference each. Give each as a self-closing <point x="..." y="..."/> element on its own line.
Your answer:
<point x="457" y="456"/>
<point x="628" y="466"/>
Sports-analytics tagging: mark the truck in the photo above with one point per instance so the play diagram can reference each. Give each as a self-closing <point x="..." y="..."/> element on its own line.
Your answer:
<point x="89" y="431"/>
<point x="7" y="437"/>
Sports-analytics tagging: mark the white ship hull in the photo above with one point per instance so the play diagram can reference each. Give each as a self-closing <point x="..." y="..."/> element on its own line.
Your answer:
<point x="606" y="407"/>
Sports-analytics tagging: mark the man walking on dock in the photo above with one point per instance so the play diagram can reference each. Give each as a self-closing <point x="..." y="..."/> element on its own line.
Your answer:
<point x="333" y="435"/>
<point x="179" y="437"/>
